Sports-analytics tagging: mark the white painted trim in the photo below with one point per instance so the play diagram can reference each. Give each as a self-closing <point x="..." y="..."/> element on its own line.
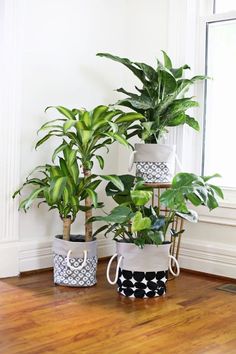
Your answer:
<point x="10" y="113"/>
<point x="9" y="262"/>
<point x="212" y="258"/>
<point x="224" y="215"/>
<point x="35" y="255"/>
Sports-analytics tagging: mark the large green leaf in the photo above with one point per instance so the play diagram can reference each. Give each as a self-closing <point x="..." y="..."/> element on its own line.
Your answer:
<point x="140" y="223"/>
<point x="57" y="187"/>
<point x="25" y="204"/>
<point x="140" y="197"/>
<point x="128" y="117"/>
<point x="139" y="73"/>
<point x="167" y="61"/>
<point x="115" y="181"/>
<point x="63" y="110"/>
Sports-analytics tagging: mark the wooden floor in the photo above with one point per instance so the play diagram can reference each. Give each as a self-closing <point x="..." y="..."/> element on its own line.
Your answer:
<point x="38" y="317"/>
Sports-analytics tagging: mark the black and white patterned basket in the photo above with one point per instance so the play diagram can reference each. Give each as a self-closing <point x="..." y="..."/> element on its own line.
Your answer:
<point x="75" y="263"/>
<point x="142" y="273"/>
<point x="155" y="163"/>
<point x="153" y="172"/>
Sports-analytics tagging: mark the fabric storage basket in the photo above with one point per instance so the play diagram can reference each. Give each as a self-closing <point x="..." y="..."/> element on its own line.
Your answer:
<point x="142" y="272"/>
<point x="75" y="263"/>
<point x="154" y="162"/>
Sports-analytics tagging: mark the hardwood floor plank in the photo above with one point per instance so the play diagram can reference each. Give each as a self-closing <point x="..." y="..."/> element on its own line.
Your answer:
<point x="38" y="317"/>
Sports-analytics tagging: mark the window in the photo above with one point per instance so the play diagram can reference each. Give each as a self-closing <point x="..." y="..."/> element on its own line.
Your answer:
<point x="220" y="101"/>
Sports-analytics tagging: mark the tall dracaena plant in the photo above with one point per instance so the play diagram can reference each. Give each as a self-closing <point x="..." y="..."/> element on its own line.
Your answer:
<point x="160" y="99"/>
<point x="61" y="187"/>
<point x="88" y="132"/>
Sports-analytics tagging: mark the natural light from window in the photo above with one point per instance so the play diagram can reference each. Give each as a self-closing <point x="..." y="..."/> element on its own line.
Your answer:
<point x="220" y="133"/>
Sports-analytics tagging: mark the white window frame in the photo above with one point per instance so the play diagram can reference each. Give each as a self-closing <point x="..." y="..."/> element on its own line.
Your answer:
<point x="201" y="49"/>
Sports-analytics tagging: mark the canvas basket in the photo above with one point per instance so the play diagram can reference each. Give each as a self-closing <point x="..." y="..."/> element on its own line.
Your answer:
<point x="155" y="163"/>
<point x="142" y="272"/>
<point x="75" y="263"/>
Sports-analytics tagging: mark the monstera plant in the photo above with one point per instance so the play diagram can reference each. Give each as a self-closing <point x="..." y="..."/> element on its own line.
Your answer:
<point x="136" y="222"/>
<point x="142" y="232"/>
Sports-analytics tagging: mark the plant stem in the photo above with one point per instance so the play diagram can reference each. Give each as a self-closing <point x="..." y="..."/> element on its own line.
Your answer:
<point x="88" y="213"/>
<point x="66" y="228"/>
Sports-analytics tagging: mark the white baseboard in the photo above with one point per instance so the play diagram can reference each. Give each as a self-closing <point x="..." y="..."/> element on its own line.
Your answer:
<point x="212" y="258"/>
<point x="38" y="254"/>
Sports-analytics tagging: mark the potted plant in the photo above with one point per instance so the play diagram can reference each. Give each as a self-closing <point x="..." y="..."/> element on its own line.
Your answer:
<point x="142" y="233"/>
<point x="161" y="101"/>
<point x="61" y="187"/>
<point x="64" y="188"/>
<point x="88" y="132"/>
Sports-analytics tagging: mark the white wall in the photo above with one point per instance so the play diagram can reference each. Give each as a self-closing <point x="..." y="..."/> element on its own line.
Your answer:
<point x="57" y="41"/>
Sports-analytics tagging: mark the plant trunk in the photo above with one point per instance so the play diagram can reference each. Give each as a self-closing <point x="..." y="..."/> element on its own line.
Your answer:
<point x="88" y="213"/>
<point x="66" y="228"/>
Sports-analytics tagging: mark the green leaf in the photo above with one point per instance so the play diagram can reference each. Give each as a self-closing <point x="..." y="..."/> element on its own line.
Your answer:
<point x="98" y="231"/>
<point x="98" y="111"/>
<point x="122" y="140"/>
<point x="59" y="149"/>
<point x="93" y="196"/>
<point x="56" y="188"/>
<point x="25" y="204"/>
<point x="126" y="62"/>
<point x="128" y="117"/>
<point x="41" y="141"/>
<point x="192" y="123"/>
<point x="100" y="161"/>
<point x="207" y="178"/>
<point x="167" y="61"/>
<point x="63" y="110"/>
<point x="217" y="190"/>
<point x="67" y="125"/>
<point x="139" y="223"/>
<point x="140" y="197"/>
<point x="115" y="180"/>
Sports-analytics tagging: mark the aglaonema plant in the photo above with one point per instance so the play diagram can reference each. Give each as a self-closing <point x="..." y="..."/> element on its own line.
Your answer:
<point x="160" y="98"/>
<point x="135" y="220"/>
<point x="88" y="132"/>
<point x="61" y="187"/>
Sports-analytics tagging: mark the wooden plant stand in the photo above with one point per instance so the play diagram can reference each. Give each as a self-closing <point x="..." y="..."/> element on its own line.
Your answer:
<point x="177" y="224"/>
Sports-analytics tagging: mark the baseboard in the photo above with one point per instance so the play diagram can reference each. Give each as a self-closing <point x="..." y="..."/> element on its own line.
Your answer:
<point x="38" y="254"/>
<point x="212" y="258"/>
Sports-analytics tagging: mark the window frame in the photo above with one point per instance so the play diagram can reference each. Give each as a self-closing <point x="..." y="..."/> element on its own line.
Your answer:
<point x="202" y="50"/>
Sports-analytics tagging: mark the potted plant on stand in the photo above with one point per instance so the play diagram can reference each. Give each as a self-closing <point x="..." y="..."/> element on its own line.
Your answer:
<point x="64" y="188"/>
<point x="142" y="233"/>
<point x="161" y="101"/>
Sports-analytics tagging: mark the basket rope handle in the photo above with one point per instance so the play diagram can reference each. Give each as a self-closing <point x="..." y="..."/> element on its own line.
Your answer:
<point x="79" y="267"/>
<point x="112" y="282"/>
<point x="177" y="266"/>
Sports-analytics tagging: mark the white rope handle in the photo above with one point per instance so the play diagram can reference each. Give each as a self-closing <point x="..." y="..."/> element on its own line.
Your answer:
<point x="112" y="282"/>
<point x="79" y="267"/>
<point x="177" y="266"/>
<point x="131" y="160"/>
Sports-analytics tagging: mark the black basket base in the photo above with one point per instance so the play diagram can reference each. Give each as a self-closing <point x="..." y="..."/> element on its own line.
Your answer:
<point x="142" y="284"/>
